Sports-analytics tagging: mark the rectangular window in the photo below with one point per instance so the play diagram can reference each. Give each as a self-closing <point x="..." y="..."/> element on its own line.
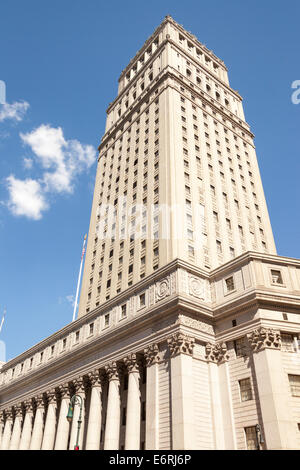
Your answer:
<point x="287" y="342"/>
<point x="245" y="389"/>
<point x="123" y="311"/>
<point x="251" y="438"/>
<point x="229" y="284"/>
<point x="240" y="347"/>
<point x="295" y="385"/>
<point x="276" y="277"/>
<point x="106" y="320"/>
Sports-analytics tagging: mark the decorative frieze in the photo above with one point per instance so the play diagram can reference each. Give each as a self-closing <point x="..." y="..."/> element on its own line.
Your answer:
<point x="162" y="289"/>
<point x="216" y="352"/>
<point x="262" y="338"/>
<point x="180" y="343"/>
<point x="151" y="354"/>
<point x="194" y="323"/>
<point x="196" y="287"/>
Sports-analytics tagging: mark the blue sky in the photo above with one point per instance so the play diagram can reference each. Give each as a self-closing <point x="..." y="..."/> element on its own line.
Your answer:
<point x="60" y="61"/>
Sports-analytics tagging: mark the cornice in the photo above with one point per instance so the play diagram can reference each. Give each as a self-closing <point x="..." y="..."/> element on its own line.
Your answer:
<point x="170" y="72"/>
<point x="192" y="38"/>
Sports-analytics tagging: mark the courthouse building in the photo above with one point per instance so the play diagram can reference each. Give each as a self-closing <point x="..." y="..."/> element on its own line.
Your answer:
<point x="188" y="326"/>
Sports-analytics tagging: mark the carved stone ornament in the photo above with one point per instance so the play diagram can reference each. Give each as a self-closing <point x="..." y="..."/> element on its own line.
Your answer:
<point x="196" y="287"/>
<point x="179" y="343"/>
<point x="39" y="401"/>
<point x="194" y="323"/>
<point x="262" y="338"/>
<point x="162" y="289"/>
<point x="151" y="354"/>
<point x="18" y="410"/>
<point x="28" y="406"/>
<point x="95" y="378"/>
<point x="79" y="384"/>
<point x="132" y="363"/>
<point x="64" y="390"/>
<point x="216" y="352"/>
<point x="51" y="396"/>
<point x="9" y="414"/>
<point x="112" y="370"/>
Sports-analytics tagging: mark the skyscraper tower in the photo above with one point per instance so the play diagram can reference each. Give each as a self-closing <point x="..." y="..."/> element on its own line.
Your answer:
<point x="188" y="328"/>
<point x="177" y="173"/>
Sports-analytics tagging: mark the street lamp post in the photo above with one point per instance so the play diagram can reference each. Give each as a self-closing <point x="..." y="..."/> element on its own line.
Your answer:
<point x="75" y="400"/>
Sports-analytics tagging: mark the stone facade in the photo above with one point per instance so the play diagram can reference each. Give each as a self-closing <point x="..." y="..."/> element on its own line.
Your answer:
<point x="189" y="349"/>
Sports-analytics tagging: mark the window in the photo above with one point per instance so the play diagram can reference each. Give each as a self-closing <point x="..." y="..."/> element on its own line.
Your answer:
<point x="77" y="336"/>
<point x="245" y="389"/>
<point x="142" y="299"/>
<point x="295" y="385"/>
<point x="240" y="347"/>
<point x="251" y="438"/>
<point x="276" y="277"/>
<point x="123" y="311"/>
<point x="287" y="342"/>
<point x="91" y="328"/>
<point x="64" y="343"/>
<point x="229" y="284"/>
<point x="106" y="319"/>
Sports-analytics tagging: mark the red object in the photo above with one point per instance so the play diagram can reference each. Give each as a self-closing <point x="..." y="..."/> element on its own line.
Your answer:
<point x="76" y="448"/>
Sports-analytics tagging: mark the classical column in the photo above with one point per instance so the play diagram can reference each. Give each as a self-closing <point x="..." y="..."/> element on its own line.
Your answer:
<point x="16" y="432"/>
<point x="1" y="425"/>
<point x="95" y="412"/>
<point x="79" y="386"/>
<point x="27" y="426"/>
<point x="7" y="430"/>
<point x="112" y="429"/>
<point x="151" y="354"/>
<point x="181" y="357"/>
<point x="222" y="407"/>
<point x="50" y="425"/>
<point x="278" y="423"/>
<point x="63" y="427"/>
<point x="133" y="411"/>
<point x="37" y="432"/>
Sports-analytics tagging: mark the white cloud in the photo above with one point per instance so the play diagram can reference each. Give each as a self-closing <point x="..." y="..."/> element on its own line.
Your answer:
<point x="70" y="298"/>
<point x="64" y="159"/>
<point x="59" y="159"/>
<point x="26" y="198"/>
<point x="14" y="111"/>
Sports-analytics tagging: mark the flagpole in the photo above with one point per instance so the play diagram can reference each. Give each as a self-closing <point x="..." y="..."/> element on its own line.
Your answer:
<point x="79" y="278"/>
<point x="2" y="321"/>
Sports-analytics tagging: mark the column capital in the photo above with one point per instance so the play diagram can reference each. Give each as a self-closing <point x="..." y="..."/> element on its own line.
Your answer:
<point x="28" y="406"/>
<point x="132" y="363"/>
<point x="95" y="378"/>
<point x="18" y="410"/>
<point x="113" y="371"/>
<point x="151" y="353"/>
<point x="79" y="384"/>
<point x="9" y="414"/>
<point x="262" y="338"/>
<point x="51" y="396"/>
<point x="216" y="352"/>
<point x="39" y="401"/>
<point x="64" y="390"/>
<point x="180" y="343"/>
